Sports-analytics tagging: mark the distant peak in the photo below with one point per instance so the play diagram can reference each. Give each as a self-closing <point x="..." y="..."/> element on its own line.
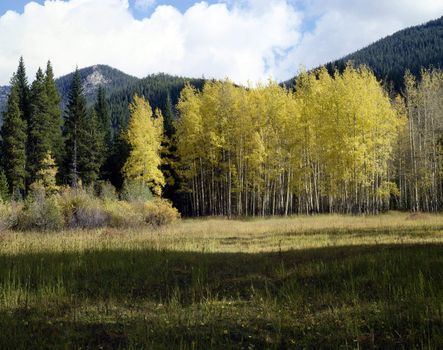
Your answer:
<point x="93" y="80"/>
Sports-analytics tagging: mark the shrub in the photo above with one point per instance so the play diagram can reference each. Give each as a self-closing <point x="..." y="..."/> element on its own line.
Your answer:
<point x="107" y="192"/>
<point x="82" y="210"/>
<point x="122" y="214"/>
<point x="159" y="212"/>
<point x="41" y="214"/>
<point x="76" y="208"/>
<point x="4" y="187"/>
<point x="135" y="191"/>
<point x="8" y="215"/>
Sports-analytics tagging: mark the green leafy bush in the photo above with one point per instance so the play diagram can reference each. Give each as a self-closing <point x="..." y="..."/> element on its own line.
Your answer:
<point x="107" y="192"/>
<point x="135" y="191"/>
<point x="41" y="214"/>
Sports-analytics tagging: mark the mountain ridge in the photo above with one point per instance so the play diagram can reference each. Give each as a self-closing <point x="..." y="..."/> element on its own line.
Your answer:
<point x="410" y="49"/>
<point x="390" y="57"/>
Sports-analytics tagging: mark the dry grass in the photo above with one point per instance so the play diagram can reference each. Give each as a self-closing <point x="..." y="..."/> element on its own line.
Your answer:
<point x="240" y="236"/>
<point x="302" y="282"/>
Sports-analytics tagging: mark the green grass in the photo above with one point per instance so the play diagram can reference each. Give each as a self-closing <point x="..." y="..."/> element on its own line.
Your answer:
<point x="307" y="282"/>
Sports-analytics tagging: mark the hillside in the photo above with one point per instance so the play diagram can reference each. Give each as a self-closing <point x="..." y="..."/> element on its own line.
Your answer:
<point x="120" y="88"/>
<point x="92" y="77"/>
<point x="155" y="88"/>
<point x="4" y="92"/>
<point x="409" y="49"/>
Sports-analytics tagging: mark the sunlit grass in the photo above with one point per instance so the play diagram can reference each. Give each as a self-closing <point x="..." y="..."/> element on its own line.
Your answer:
<point x="301" y="282"/>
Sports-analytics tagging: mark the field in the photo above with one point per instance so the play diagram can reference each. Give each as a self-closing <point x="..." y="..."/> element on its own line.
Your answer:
<point x="302" y="282"/>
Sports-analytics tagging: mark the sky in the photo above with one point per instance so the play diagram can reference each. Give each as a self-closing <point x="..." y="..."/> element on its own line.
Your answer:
<point x="247" y="41"/>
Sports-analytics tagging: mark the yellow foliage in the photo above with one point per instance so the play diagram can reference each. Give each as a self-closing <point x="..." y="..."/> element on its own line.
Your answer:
<point x="257" y="149"/>
<point x="144" y="136"/>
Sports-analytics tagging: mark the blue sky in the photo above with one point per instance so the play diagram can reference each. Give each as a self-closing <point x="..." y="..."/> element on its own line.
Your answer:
<point x="182" y="5"/>
<point x="243" y="40"/>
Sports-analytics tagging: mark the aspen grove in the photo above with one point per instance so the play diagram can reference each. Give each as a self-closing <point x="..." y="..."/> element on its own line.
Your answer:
<point x="327" y="147"/>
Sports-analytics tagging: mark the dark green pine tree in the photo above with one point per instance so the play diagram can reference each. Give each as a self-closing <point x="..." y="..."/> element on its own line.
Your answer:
<point x="169" y="117"/>
<point x="55" y="115"/>
<point x="104" y="117"/>
<point x="75" y="121"/>
<point x="4" y="188"/>
<point x="40" y="126"/>
<point x="91" y="149"/>
<point x="14" y="138"/>
<point x="169" y="151"/>
<point x="21" y="82"/>
<point x="119" y="155"/>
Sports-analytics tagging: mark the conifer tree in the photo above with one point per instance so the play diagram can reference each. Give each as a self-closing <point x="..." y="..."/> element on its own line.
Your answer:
<point x="21" y="82"/>
<point x="91" y="149"/>
<point x="4" y="187"/>
<point x="169" y="117"/>
<point x="144" y="136"/>
<point x="75" y="121"/>
<point x="104" y="117"/>
<point x="40" y="126"/>
<point x="14" y="138"/>
<point x="55" y="115"/>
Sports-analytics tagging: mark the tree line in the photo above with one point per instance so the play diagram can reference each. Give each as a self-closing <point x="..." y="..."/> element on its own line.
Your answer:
<point x="339" y="143"/>
<point x="78" y="146"/>
<point x="269" y="151"/>
<point x="34" y="131"/>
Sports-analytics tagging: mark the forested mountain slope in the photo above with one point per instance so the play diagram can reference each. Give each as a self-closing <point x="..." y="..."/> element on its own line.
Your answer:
<point x="155" y="88"/>
<point x="4" y="92"/>
<point x="120" y="88"/>
<point x="409" y="49"/>
<point x="92" y="77"/>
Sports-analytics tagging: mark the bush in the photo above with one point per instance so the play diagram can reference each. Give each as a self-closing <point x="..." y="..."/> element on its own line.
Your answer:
<point x="135" y="191"/>
<point x="41" y="214"/>
<point x="82" y="210"/>
<point x="159" y="212"/>
<point x="107" y="191"/>
<point x="9" y="214"/>
<point x="76" y="208"/>
<point x="122" y="214"/>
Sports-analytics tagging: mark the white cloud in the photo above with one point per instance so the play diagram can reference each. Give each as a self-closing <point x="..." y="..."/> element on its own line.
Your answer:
<point x="240" y="39"/>
<point x="343" y="26"/>
<point x="240" y="42"/>
<point x="144" y="4"/>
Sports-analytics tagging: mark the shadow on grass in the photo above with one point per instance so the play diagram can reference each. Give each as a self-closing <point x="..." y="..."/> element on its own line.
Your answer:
<point x="157" y="275"/>
<point x="385" y="295"/>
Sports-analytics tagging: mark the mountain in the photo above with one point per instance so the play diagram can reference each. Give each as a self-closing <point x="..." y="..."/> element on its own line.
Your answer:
<point x="120" y="89"/>
<point x="4" y="92"/>
<point x="155" y="88"/>
<point x="92" y="77"/>
<point x="409" y="49"/>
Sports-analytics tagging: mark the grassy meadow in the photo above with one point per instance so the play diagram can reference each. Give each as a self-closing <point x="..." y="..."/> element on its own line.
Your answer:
<point x="281" y="283"/>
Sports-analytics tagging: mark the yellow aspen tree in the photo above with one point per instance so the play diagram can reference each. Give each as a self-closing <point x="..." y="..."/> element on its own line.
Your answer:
<point x="144" y="136"/>
<point x="189" y="143"/>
